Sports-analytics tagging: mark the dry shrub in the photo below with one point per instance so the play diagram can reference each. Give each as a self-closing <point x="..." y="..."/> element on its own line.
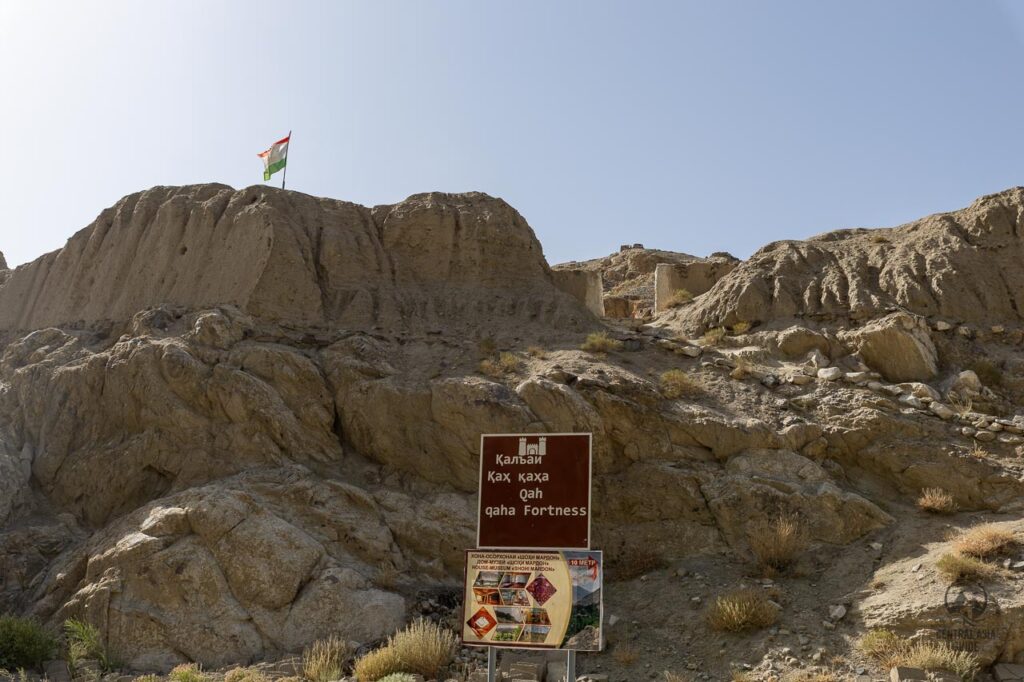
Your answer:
<point x="675" y="383"/>
<point x="675" y="677"/>
<point x="740" y="328"/>
<point x="490" y="368"/>
<point x="678" y="298"/>
<point x="536" y="352"/>
<point x="960" y="404"/>
<point x="987" y="372"/>
<point x="986" y="540"/>
<point x="486" y="347"/>
<point x="377" y="664"/>
<point x="936" y="501"/>
<point x="634" y="563"/>
<point x="932" y="655"/>
<point x="890" y="650"/>
<point x="956" y="567"/>
<point x="626" y="652"/>
<point x="978" y="451"/>
<point x="740" y="610"/>
<point x="881" y="645"/>
<point x="713" y="337"/>
<point x="600" y="342"/>
<point x="421" y="648"/>
<point x="879" y="239"/>
<point x="777" y="542"/>
<point x="508" y="362"/>
<point x="324" y="660"/>
<point x="186" y="672"/>
<point x="248" y="675"/>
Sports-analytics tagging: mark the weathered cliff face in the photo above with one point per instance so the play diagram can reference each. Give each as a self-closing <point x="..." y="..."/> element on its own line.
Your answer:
<point x="233" y="456"/>
<point x="432" y="260"/>
<point x="962" y="266"/>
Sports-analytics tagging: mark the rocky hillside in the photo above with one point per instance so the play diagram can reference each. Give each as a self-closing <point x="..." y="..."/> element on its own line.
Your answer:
<point x="234" y="422"/>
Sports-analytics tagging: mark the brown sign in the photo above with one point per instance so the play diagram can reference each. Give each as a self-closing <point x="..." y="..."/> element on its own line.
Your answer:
<point x="535" y="491"/>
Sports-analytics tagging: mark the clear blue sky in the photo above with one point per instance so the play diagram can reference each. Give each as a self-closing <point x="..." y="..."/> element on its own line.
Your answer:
<point x="691" y="126"/>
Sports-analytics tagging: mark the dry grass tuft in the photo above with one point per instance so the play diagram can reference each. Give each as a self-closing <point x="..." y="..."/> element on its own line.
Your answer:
<point x="507" y="363"/>
<point x="777" y="542"/>
<point x="536" y="352"/>
<point x="324" y="660"/>
<point x="634" y="563"/>
<point x="890" y="650"/>
<point x="957" y="567"/>
<point x="879" y="239"/>
<point x="959" y="403"/>
<point x="984" y="541"/>
<point x="675" y="383"/>
<point x="978" y="451"/>
<point x="626" y="652"/>
<point x="247" y="675"/>
<point x="740" y="328"/>
<point x="679" y="297"/>
<point x="741" y="610"/>
<point x="713" y="337"/>
<point x="675" y="677"/>
<point x="423" y="648"/>
<point x="936" y="501"/>
<point x="600" y="342"/>
<point x="186" y="672"/>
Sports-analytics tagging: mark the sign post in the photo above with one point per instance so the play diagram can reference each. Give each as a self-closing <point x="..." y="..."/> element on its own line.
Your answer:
<point x="533" y="582"/>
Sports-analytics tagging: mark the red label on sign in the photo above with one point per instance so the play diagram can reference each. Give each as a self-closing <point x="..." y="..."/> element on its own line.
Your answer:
<point x="535" y="491"/>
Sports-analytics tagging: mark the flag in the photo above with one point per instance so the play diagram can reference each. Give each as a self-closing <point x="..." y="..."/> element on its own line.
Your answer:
<point x="275" y="158"/>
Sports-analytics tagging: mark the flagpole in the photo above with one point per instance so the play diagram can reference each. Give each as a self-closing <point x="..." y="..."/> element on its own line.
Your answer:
<point x="285" y="176"/>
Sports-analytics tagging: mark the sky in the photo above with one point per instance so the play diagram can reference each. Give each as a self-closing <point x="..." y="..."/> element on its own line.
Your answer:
<point x="689" y="126"/>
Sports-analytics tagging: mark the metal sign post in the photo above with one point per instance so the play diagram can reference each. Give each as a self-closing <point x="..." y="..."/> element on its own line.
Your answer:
<point x="570" y="665"/>
<point x="492" y="664"/>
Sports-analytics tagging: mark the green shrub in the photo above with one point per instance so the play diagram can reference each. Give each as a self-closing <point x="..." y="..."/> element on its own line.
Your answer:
<point x="86" y="644"/>
<point x="600" y="342"/>
<point x="24" y="643"/>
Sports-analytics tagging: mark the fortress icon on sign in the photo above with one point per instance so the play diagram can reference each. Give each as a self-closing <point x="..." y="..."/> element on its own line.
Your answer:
<point x="538" y="449"/>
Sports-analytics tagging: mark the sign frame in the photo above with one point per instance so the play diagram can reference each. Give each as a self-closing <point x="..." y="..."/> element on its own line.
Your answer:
<point x="494" y="645"/>
<point x="590" y="491"/>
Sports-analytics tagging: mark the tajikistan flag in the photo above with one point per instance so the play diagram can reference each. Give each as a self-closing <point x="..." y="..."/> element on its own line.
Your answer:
<point x="275" y="158"/>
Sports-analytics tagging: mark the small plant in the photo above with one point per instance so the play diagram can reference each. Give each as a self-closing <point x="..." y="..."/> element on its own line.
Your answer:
<point x="148" y="678"/>
<point x="713" y="337"/>
<point x="600" y="342"/>
<point x="324" y="660"/>
<point x="536" y="352"/>
<point x="879" y="239"/>
<point x="679" y="297"/>
<point x="979" y="452"/>
<point x="675" y="383"/>
<point x="186" y="672"/>
<point x="987" y="372"/>
<point x="398" y="677"/>
<point x="936" y="501"/>
<point x="742" y="370"/>
<point x="984" y="541"/>
<point x="741" y="610"/>
<point x="674" y="677"/>
<point x="248" y="675"/>
<point x="24" y="643"/>
<point x="957" y="567"/>
<point x="85" y="643"/>
<point x="508" y="363"/>
<point x="377" y="664"/>
<point x="777" y="542"/>
<point x="740" y="328"/>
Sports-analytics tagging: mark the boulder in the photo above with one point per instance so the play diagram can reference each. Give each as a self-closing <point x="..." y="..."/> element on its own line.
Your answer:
<point x="797" y="342"/>
<point x="899" y="347"/>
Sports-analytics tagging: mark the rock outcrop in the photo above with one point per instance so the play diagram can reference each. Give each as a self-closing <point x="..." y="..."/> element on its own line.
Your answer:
<point x="432" y="260"/>
<point x="961" y="265"/>
<point x="266" y="431"/>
